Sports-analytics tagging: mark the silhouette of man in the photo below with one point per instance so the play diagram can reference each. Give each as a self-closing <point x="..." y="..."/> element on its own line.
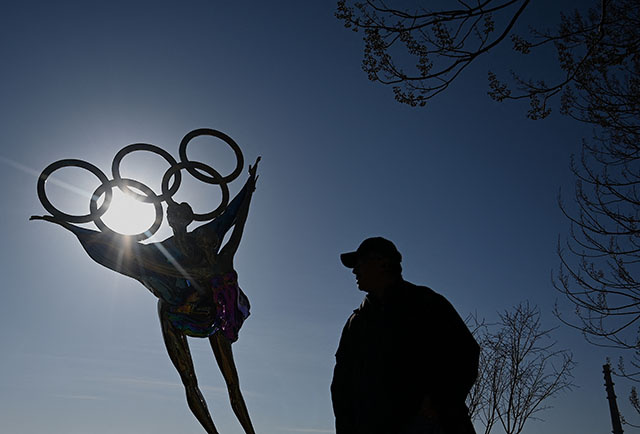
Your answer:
<point x="406" y="361"/>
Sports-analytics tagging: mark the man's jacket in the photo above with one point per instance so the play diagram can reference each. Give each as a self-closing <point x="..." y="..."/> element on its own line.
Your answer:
<point x="394" y="353"/>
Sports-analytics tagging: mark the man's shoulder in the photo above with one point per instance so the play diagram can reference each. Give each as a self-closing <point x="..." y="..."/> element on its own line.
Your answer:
<point x="424" y="295"/>
<point x="419" y="290"/>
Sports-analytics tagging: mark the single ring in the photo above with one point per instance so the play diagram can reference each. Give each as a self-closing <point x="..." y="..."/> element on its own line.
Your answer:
<point x="182" y="150"/>
<point x="193" y="165"/>
<point x="115" y="170"/>
<point x="107" y="187"/>
<point x="42" y="195"/>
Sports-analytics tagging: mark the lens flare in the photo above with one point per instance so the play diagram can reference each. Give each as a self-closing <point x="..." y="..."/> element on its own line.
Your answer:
<point x="127" y="215"/>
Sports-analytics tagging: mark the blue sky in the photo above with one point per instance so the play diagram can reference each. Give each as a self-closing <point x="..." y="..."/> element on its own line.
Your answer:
<point x="465" y="187"/>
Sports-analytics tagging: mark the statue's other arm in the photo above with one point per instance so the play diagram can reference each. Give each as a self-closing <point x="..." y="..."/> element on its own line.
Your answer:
<point x="231" y="247"/>
<point x="221" y="224"/>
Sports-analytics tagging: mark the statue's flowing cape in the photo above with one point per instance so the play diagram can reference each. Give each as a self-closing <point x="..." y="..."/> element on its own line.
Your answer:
<point x="161" y="267"/>
<point x="155" y="265"/>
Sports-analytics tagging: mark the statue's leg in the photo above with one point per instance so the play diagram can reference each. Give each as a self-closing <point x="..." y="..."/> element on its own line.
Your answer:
<point x="222" y="350"/>
<point x="179" y="353"/>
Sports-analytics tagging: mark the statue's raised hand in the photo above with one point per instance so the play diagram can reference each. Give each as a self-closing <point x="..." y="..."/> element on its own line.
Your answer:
<point x="44" y="217"/>
<point x="253" y="177"/>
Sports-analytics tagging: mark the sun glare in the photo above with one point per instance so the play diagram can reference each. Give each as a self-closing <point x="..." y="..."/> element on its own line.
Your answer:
<point x="127" y="215"/>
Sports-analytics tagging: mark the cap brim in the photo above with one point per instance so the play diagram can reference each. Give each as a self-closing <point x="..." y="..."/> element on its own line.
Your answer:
<point x="350" y="259"/>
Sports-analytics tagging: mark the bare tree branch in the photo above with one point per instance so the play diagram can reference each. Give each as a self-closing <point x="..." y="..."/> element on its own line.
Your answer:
<point x="520" y="369"/>
<point x="421" y="52"/>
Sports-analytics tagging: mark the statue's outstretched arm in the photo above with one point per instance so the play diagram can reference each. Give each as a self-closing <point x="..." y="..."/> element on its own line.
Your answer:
<point x="68" y="226"/>
<point x="107" y="249"/>
<point x="231" y="247"/>
<point x="221" y="224"/>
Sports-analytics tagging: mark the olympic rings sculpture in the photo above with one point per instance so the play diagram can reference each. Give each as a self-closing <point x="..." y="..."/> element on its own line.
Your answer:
<point x="196" y="169"/>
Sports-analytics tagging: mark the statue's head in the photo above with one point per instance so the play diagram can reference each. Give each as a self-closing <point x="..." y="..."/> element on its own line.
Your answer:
<point x="179" y="215"/>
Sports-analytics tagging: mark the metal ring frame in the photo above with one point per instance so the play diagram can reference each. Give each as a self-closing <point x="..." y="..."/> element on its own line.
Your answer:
<point x="147" y="195"/>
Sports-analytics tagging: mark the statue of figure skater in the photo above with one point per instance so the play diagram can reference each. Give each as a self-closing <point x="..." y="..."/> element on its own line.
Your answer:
<point x="196" y="285"/>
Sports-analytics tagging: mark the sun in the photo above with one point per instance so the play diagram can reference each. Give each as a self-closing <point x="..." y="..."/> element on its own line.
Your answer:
<point x="127" y="215"/>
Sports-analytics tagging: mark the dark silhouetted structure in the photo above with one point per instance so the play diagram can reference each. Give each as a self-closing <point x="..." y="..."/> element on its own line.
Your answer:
<point x="406" y="360"/>
<point x="616" y="423"/>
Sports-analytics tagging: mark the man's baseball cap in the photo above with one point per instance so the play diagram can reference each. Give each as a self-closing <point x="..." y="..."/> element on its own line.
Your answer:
<point x="376" y="247"/>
